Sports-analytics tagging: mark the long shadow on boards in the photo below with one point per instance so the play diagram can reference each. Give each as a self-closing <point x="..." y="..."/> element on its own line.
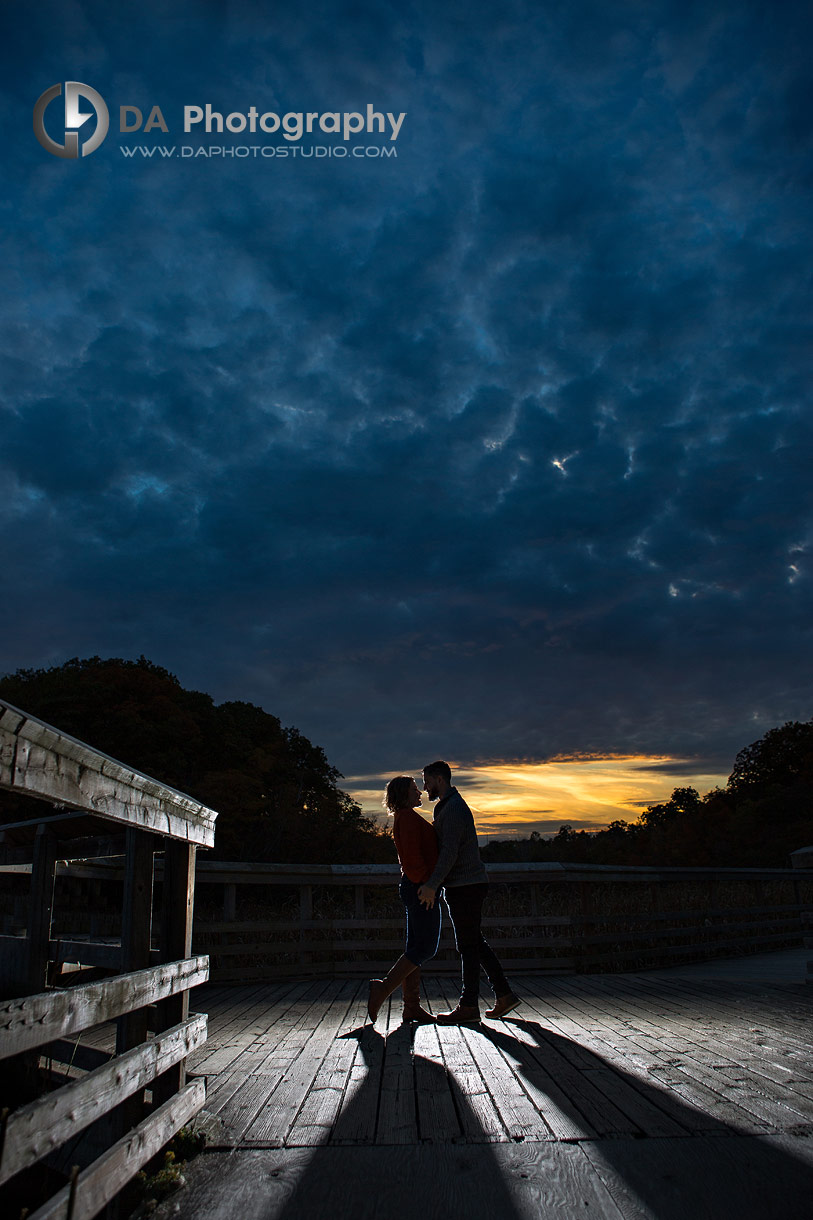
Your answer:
<point x="660" y="1156"/>
<point x="409" y="1143"/>
<point x="390" y="1175"/>
<point x="382" y="1164"/>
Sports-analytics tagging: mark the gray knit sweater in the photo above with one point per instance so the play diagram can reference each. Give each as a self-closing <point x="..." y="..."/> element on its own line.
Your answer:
<point x="459" y="860"/>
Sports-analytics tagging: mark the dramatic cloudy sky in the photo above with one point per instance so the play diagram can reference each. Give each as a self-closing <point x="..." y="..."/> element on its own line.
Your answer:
<point x="498" y="449"/>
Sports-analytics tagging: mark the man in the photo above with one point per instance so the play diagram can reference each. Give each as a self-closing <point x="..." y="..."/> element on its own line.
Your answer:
<point x="460" y="870"/>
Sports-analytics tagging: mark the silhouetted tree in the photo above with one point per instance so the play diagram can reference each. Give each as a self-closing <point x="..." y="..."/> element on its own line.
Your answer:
<point x="782" y="758"/>
<point x="276" y="794"/>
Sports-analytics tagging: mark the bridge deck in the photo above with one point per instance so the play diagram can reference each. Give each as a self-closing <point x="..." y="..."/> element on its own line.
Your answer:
<point x="642" y="1096"/>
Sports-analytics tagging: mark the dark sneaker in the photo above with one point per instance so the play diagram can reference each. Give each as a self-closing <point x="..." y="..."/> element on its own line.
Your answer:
<point x="464" y="1014"/>
<point x="504" y="1004"/>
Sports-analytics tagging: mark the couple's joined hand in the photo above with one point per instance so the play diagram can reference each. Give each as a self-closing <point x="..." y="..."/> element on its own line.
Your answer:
<point x="426" y="895"/>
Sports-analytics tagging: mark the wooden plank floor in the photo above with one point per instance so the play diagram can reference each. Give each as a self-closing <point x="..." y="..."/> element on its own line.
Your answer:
<point x="640" y="1096"/>
<point x="681" y="1094"/>
<point x="296" y="1065"/>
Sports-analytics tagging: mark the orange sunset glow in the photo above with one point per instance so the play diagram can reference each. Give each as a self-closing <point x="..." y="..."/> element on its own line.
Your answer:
<point x="516" y="798"/>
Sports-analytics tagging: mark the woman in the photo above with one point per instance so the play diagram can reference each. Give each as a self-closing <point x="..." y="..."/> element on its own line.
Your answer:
<point x="417" y="847"/>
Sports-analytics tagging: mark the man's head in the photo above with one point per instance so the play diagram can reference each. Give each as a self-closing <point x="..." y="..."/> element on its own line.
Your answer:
<point x="437" y="779"/>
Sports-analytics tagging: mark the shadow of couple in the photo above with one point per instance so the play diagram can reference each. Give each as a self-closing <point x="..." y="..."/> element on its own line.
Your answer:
<point x="414" y="1138"/>
<point x="626" y="1146"/>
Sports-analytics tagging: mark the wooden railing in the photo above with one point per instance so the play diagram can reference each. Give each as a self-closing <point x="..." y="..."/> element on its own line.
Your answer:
<point x="104" y="1121"/>
<point x="269" y="921"/>
<point x="34" y="1130"/>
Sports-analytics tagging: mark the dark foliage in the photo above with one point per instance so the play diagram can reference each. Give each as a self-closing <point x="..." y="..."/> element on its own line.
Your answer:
<point x="276" y="794"/>
<point x="782" y="759"/>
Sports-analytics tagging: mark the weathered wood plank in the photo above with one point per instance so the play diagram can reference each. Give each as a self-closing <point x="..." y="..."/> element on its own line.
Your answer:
<point x="545" y="1093"/>
<point x="282" y="1043"/>
<point x="522" y="1119"/>
<point x="504" y="1182"/>
<point x="747" y="1178"/>
<point x="47" y="1123"/>
<point x="35" y="1020"/>
<point x="201" y="1063"/>
<point x="397" y="1116"/>
<point x="693" y="1056"/>
<point x="356" y="1121"/>
<point x="233" y="1002"/>
<point x="37" y="759"/>
<point x="277" y="1119"/>
<point x="260" y="1037"/>
<point x="268" y="927"/>
<point x="734" y="1061"/>
<point x="239" y="1110"/>
<point x="316" y="1118"/>
<point x="438" y="1119"/>
<point x="102" y="1180"/>
<point x="621" y="1049"/>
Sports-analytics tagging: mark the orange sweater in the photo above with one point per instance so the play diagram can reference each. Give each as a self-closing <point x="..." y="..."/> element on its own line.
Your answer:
<point x="416" y="844"/>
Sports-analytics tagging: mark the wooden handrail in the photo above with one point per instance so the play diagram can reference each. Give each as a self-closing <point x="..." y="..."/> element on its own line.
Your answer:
<point x="38" y="760"/>
<point x="220" y="872"/>
<point x="38" y="1019"/>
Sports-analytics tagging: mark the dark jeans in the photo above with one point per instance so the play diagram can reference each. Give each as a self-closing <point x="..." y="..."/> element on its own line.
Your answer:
<point x="422" y="926"/>
<point x="465" y="903"/>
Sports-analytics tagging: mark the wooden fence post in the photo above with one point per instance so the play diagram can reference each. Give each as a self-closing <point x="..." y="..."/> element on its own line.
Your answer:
<point x="136" y="928"/>
<point x="305" y="913"/>
<point x="41" y="906"/>
<point x="136" y="940"/>
<point x="176" y="943"/>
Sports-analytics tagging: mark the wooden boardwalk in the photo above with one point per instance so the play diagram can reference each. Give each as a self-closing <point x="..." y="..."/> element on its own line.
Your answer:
<point x="637" y="1096"/>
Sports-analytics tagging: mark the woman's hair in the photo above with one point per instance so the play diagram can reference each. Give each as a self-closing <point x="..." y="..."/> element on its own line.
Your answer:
<point x="396" y="794"/>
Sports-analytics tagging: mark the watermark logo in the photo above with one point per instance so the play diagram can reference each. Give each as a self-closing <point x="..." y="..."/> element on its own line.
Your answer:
<point x="296" y="130"/>
<point x="75" y="117"/>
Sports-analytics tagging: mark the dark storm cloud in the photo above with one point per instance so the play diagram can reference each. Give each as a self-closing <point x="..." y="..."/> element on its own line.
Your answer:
<point x="496" y="449"/>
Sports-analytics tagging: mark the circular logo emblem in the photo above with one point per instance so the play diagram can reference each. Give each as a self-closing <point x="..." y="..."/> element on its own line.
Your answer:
<point x="75" y="93"/>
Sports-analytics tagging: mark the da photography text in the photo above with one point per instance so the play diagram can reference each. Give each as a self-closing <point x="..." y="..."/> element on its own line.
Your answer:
<point x="66" y="129"/>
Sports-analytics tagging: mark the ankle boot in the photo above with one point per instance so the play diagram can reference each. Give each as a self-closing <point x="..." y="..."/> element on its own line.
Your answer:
<point x="381" y="988"/>
<point x="411" y="988"/>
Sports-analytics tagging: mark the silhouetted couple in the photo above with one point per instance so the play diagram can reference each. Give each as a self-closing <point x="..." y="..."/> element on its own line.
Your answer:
<point x="442" y="855"/>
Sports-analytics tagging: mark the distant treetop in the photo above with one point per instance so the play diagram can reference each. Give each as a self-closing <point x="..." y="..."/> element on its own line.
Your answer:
<point x="276" y="793"/>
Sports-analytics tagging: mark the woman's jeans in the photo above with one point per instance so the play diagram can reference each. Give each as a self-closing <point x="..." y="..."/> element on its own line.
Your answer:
<point x="422" y="926"/>
<point x="465" y="903"/>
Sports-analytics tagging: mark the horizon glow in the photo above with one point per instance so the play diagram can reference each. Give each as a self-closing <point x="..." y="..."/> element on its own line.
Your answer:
<point x="516" y="798"/>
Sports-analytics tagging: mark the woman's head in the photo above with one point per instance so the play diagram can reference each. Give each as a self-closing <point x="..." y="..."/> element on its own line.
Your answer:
<point x="400" y="793"/>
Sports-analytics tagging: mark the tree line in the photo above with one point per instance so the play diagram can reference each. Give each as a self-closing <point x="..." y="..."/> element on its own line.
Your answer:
<point x="763" y="814"/>
<point x="279" y="798"/>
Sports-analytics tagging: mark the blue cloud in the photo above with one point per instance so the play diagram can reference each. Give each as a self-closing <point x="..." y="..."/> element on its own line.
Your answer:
<point x="499" y="448"/>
